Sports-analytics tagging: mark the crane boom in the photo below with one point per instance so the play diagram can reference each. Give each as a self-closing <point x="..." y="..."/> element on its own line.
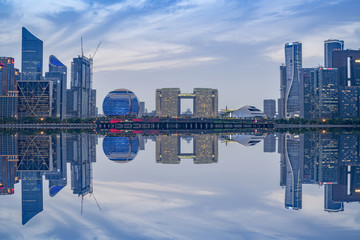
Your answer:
<point x="96" y="49"/>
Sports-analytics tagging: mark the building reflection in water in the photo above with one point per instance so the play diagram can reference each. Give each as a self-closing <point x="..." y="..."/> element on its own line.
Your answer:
<point x="30" y="157"/>
<point x="169" y="149"/>
<point x="122" y="149"/>
<point x="329" y="160"/>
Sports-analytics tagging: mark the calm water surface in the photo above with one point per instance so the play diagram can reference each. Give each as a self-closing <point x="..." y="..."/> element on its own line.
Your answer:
<point x="240" y="186"/>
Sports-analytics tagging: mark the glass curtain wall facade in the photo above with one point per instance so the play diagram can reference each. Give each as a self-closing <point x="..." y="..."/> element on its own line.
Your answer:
<point x="83" y="104"/>
<point x="330" y="46"/>
<point x="31" y="56"/>
<point x="58" y="75"/>
<point x="121" y="102"/>
<point x="35" y="98"/>
<point x="293" y="60"/>
<point x="348" y="64"/>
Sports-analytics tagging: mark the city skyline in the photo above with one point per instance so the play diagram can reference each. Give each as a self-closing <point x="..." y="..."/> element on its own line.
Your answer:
<point x="175" y="44"/>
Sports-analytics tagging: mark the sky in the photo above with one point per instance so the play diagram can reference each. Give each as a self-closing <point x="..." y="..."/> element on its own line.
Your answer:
<point x="235" y="46"/>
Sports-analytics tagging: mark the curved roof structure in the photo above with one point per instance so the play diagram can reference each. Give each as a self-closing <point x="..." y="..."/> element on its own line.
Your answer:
<point x="121" y="90"/>
<point x="55" y="62"/>
<point x="248" y="112"/>
<point x="247" y="140"/>
<point x="54" y="190"/>
<point x="27" y="35"/>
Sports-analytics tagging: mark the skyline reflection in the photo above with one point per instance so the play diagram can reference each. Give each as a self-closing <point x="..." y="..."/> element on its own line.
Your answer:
<point x="331" y="161"/>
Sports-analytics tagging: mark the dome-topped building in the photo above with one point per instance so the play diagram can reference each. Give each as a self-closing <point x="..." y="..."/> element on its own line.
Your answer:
<point x="121" y="149"/>
<point x="121" y="102"/>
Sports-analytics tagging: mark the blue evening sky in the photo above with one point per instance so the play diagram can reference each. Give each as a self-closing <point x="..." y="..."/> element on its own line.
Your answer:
<point x="235" y="46"/>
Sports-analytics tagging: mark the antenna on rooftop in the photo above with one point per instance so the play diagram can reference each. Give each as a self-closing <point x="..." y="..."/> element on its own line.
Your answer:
<point x="82" y="49"/>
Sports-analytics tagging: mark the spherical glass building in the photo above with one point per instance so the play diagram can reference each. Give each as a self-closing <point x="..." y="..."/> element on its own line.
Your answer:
<point x="121" y="102"/>
<point x="121" y="149"/>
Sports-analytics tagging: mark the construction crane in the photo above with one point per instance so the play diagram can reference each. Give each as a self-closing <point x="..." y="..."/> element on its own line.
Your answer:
<point x="82" y="49"/>
<point x="96" y="50"/>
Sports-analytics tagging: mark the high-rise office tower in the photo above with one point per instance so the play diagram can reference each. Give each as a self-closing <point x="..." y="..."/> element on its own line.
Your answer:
<point x="35" y="98"/>
<point x="281" y="100"/>
<point x="8" y="159"/>
<point x="35" y="153"/>
<point x="331" y="45"/>
<point x="348" y="64"/>
<point x="328" y="159"/>
<point x="8" y="94"/>
<point x="58" y="75"/>
<point x="31" y="56"/>
<point x="31" y="195"/>
<point x="58" y="176"/>
<point x="293" y="62"/>
<point x="294" y="171"/>
<point x="270" y="143"/>
<point x="329" y="204"/>
<point x="7" y="75"/>
<point x="308" y="108"/>
<point x="319" y="94"/>
<point x="349" y="150"/>
<point x="349" y="102"/>
<point x="328" y="101"/>
<point x="82" y="102"/>
<point x="81" y="153"/>
<point x="270" y="108"/>
<point x="347" y="188"/>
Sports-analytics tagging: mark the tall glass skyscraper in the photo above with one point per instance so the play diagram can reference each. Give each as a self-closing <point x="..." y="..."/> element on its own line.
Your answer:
<point x="58" y="75"/>
<point x="293" y="61"/>
<point x="81" y="97"/>
<point x="329" y="46"/>
<point x="31" y="56"/>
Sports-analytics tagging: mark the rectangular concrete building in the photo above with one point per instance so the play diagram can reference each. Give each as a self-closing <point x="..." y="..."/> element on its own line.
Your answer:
<point x="167" y="102"/>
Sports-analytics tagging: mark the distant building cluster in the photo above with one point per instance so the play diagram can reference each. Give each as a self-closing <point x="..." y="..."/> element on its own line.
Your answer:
<point x="332" y="91"/>
<point x="30" y="94"/>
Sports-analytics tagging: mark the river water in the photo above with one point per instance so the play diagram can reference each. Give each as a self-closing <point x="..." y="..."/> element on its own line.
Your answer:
<point x="180" y="186"/>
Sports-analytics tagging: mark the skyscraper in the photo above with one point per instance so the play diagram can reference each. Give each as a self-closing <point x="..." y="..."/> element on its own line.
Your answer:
<point x="281" y="100"/>
<point x="294" y="171"/>
<point x="7" y="75"/>
<point x="328" y="93"/>
<point x="331" y="45"/>
<point x="308" y="93"/>
<point x="270" y="108"/>
<point x="82" y="103"/>
<point x="8" y="93"/>
<point x="58" y="75"/>
<point x="319" y="94"/>
<point x="31" y="195"/>
<point x="348" y="64"/>
<point x="31" y="56"/>
<point x="349" y="102"/>
<point x="35" y="98"/>
<point x="293" y="60"/>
